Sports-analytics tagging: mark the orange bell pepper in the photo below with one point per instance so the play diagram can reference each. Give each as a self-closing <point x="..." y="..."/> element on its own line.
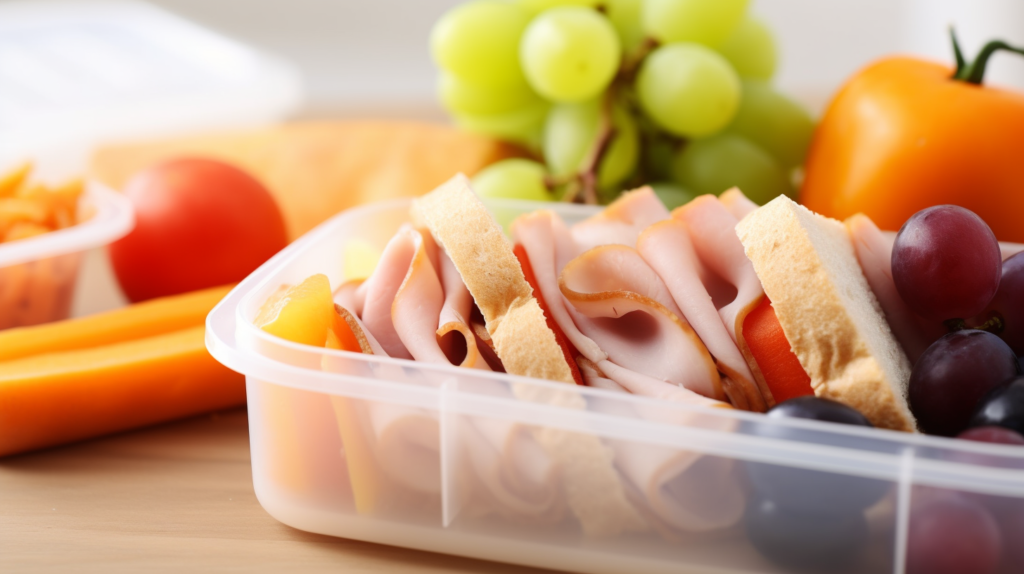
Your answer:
<point x="905" y="134"/>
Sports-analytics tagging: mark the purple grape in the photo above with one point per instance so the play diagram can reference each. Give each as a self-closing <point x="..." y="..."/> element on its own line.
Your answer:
<point x="814" y="491"/>
<point x="819" y="409"/>
<point x="946" y="263"/>
<point x="813" y="542"/>
<point x="953" y="536"/>
<point x="953" y="374"/>
<point x="1008" y="304"/>
<point x="1003" y="406"/>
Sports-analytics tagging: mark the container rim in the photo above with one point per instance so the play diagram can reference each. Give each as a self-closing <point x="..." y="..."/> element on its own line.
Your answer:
<point x="113" y="218"/>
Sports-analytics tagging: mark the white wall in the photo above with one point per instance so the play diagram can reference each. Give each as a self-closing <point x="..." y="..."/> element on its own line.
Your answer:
<point x="370" y="56"/>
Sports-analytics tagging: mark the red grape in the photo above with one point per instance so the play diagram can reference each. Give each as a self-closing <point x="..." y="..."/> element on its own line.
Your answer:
<point x="993" y="434"/>
<point x="1013" y="533"/>
<point x="953" y="374"/>
<point x="1009" y="304"/>
<point x="946" y="263"/>
<point x="1004" y="508"/>
<point x="953" y="536"/>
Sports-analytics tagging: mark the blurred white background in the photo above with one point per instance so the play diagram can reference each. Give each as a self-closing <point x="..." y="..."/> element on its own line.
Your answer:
<point x="370" y="57"/>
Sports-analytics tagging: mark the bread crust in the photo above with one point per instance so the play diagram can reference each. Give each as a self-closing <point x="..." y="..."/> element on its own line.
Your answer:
<point x="834" y="323"/>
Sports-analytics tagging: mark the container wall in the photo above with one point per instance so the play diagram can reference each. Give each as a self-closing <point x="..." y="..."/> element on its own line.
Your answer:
<point x="965" y="511"/>
<point x="512" y="472"/>
<point x="39" y="291"/>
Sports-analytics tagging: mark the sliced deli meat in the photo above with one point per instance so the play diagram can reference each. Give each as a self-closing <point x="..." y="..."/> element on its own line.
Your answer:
<point x="737" y="203"/>
<point x="621" y="222"/>
<point x="379" y="290"/>
<point x="454" y="334"/>
<point x="618" y="301"/>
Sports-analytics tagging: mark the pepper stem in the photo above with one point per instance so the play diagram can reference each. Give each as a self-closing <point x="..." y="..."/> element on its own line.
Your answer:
<point x="957" y="53"/>
<point x="974" y="72"/>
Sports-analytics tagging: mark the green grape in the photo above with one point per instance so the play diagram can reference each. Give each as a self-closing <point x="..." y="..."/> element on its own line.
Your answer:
<point x="569" y="135"/>
<point x="625" y="17"/>
<point x="774" y="122"/>
<point x="569" y="53"/>
<point x="715" y="164"/>
<point x="708" y="22"/>
<point x="524" y="126"/>
<point x="461" y="97"/>
<point x="479" y="42"/>
<point x="751" y="49"/>
<point x="537" y="6"/>
<point x="671" y="194"/>
<point x="688" y="89"/>
<point x="513" y="179"/>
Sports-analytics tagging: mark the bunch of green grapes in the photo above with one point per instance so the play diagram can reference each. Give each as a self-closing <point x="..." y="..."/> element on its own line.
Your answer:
<point x="612" y="94"/>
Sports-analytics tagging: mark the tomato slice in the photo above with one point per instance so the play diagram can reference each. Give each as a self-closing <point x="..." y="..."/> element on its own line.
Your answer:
<point x="568" y="350"/>
<point x="783" y="374"/>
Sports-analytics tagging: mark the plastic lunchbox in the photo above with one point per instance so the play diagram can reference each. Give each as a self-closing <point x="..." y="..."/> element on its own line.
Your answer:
<point x="38" y="275"/>
<point x="467" y="462"/>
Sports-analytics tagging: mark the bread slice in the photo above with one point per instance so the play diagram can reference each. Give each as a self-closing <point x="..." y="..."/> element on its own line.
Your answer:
<point x="834" y="323"/>
<point x="484" y="256"/>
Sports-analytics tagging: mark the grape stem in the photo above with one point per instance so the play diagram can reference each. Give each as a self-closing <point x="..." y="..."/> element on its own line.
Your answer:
<point x="994" y="324"/>
<point x="605" y="133"/>
<point x="632" y="63"/>
<point x="585" y="181"/>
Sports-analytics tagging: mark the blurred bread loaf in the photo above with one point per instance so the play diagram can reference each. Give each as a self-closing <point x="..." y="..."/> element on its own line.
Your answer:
<point x="316" y="169"/>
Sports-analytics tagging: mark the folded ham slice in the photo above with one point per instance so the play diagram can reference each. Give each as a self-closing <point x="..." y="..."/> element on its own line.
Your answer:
<point x="454" y="334"/>
<point x="350" y="296"/>
<point x="621" y="222"/>
<point x="730" y="279"/>
<point x="416" y="295"/>
<point x="667" y="248"/>
<point x="619" y="302"/>
<point x="378" y="292"/>
<point x="737" y="203"/>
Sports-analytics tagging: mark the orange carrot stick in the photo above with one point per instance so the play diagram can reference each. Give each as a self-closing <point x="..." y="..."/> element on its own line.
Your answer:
<point x="51" y="399"/>
<point x="154" y="317"/>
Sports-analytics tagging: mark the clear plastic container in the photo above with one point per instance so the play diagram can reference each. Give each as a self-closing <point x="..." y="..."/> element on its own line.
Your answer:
<point x="38" y="275"/>
<point x="74" y="74"/>
<point x="489" y="465"/>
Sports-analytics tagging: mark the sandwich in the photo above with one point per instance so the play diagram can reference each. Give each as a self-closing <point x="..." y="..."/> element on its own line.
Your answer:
<point x="718" y="304"/>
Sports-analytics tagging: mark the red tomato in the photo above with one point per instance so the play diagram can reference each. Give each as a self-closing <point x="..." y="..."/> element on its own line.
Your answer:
<point x="198" y="223"/>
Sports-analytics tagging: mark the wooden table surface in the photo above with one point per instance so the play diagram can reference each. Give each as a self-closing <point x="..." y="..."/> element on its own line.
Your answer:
<point x="176" y="497"/>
